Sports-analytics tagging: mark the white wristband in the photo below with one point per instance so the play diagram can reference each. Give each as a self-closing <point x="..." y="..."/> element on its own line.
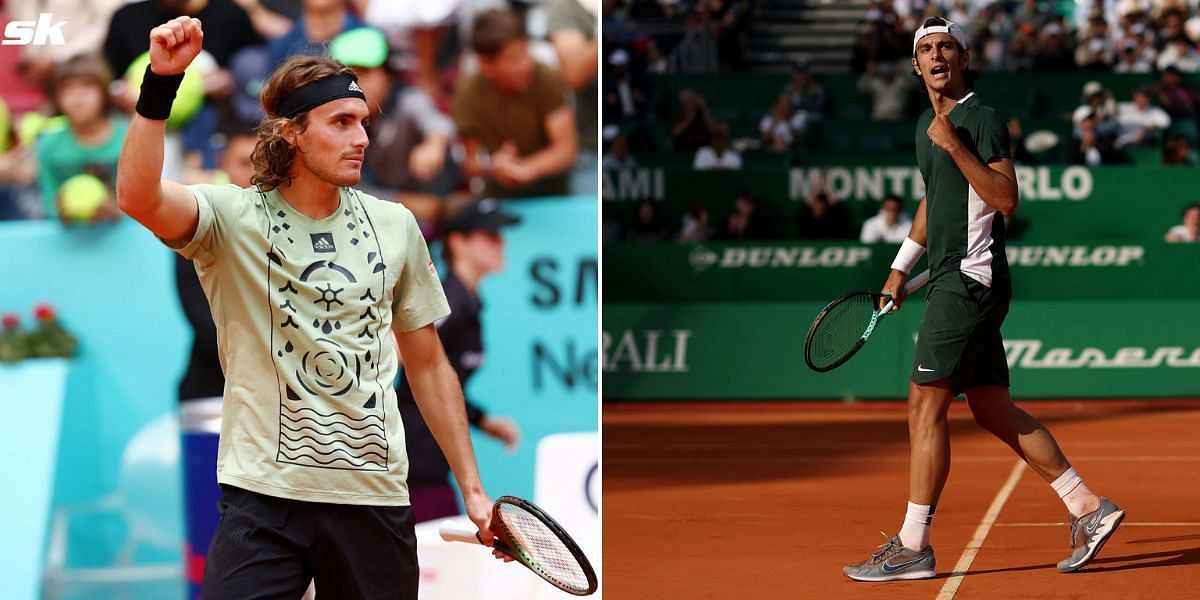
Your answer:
<point x="910" y="252"/>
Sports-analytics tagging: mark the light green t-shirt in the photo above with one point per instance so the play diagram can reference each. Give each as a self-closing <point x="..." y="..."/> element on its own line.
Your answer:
<point x="303" y="310"/>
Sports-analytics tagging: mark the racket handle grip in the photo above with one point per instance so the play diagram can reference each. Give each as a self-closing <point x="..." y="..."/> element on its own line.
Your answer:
<point x="458" y="532"/>
<point x="913" y="285"/>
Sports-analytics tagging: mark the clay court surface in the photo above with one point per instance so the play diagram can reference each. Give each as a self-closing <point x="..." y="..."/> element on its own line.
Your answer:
<point x="769" y="500"/>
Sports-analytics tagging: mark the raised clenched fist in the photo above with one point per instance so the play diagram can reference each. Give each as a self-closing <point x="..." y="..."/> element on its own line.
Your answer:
<point x="174" y="44"/>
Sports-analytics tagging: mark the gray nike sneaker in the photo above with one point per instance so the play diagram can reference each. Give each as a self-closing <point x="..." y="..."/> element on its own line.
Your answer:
<point x="1089" y="533"/>
<point x="893" y="562"/>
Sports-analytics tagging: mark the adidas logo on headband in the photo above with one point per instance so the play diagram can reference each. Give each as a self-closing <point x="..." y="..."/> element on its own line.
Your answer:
<point x="354" y="87"/>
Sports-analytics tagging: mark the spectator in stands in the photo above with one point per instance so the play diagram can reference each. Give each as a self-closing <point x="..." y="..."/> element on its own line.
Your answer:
<point x="1022" y="48"/>
<point x="744" y="223"/>
<point x="717" y="155"/>
<point x="656" y="61"/>
<point x="647" y="227"/>
<point x="806" y="95"/>
<point x="1177" y="100"/>
<point x="1133" y="57"/>
<point x="618" y="156"/>
<point x="320" y="21"/>
<point x="18" y="173"/>
<point x="1095" y="49"/>
<point x="866" y="47"/>
<point x="694" y="124"/>
<point x="782" y="126"/>
<point x="271" y="18"/>
<point x="888" y="90"/>
<point x="1141" y="122"/>
<point x="1097" y="101"/>
<point x="572" y="30"/>
<point x="823" y="217"/>
<point x="1189" y="229"/>
<point x="890" y="225"/>
<point x="1177" y="150"/>
<point x="1089" y="147"/>
<point x="625" y="96"/>
<point x="724" y="20"/>
<point x="1016" y="142"/>
<point x="91" y="142"/>
<point x="516" y="110"/>
<point x="695" y="227"/>
<point x="129" y="32"/>
<point x="1054" y="50"/>
<point x="1181" y="54"/>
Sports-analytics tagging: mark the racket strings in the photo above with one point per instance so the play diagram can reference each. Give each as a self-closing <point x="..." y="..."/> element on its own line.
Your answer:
<point x="543" y="547"/>
<point x="840" y="329"/>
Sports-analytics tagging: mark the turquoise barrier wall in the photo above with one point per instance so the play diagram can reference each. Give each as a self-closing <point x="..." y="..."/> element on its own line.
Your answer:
<point x="113" y="288"/>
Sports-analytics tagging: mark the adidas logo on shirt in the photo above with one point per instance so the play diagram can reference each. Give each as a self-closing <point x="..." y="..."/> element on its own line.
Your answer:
<point x="323" y="242"/>
<point x="354" y="87"/>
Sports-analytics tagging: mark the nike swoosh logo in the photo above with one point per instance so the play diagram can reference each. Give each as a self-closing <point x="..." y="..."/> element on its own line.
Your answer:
<point x="922" y="369"/>
<point x="1091" y="528"/>
<point x="893" y="568"/>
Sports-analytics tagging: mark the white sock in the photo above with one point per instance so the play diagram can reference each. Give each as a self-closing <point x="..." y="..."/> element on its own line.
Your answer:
<point x="1073" y="491"/>
<point x="914" y="534"/>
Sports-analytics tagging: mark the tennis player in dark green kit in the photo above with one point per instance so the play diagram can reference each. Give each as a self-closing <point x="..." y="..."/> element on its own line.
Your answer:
<point x="970" y="182"/>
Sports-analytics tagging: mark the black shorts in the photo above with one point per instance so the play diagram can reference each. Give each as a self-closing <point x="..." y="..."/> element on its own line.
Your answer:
<point x="267" y="547"/>
<point x="960" y="338"/>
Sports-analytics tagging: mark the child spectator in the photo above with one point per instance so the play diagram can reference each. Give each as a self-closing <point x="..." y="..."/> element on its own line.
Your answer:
<point x="91" y="143"/>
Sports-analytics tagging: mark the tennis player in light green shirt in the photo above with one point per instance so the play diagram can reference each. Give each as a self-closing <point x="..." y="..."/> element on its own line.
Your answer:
<point x="314" y="286"/>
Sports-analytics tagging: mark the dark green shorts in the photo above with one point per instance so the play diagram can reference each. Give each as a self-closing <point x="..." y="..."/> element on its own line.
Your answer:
<point x="960" y="339"/>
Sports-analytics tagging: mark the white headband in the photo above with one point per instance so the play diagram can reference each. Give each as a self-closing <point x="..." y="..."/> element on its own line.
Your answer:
<point x="952" y="29"/>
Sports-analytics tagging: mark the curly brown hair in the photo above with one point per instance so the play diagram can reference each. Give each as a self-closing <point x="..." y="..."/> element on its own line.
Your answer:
<point x="273" y="155"/>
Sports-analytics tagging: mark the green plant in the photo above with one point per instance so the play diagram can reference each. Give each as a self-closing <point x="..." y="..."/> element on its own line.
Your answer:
<point x="47" y="339"/>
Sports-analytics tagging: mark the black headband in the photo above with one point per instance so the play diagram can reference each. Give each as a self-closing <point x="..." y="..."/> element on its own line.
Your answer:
<point x="316" y="93"/>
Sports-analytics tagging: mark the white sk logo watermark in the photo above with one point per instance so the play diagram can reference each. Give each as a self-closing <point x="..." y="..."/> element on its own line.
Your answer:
<point x="34" y="33"/>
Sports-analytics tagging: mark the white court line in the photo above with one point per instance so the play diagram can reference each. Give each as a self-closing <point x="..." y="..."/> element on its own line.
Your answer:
<point x="989" y="518"/>
<point x="1125" y="524"/>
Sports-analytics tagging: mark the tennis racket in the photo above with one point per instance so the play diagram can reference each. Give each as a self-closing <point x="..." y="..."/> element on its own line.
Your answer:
<point x="844" y="325"/>
<point x="526" y="533"/>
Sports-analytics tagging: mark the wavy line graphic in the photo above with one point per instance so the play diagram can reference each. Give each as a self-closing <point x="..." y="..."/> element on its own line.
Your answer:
<point x="335" y="459"/>
<point x="363" y="456"/>
<point x="331" y="416"/>
<point x="309" y="437"/>
<point x="314" y="420"/>
<point x="319" y="432"/>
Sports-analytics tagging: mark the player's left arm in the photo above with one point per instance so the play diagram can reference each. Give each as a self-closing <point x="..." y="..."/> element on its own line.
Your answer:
<point x="994" y="181"/>
<point x="440" y="398"/>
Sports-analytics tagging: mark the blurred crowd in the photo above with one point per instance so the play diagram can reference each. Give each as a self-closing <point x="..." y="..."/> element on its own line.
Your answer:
<point x="468" y="98"/>
<point x="1122" y="36"/>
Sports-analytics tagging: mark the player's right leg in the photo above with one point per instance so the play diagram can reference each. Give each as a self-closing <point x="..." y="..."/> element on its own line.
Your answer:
<point x="257" y="550"/>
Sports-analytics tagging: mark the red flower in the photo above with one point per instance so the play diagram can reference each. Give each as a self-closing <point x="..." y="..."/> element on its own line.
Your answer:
<point x="44" y="312"/>
<point x="11" y="321"/>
